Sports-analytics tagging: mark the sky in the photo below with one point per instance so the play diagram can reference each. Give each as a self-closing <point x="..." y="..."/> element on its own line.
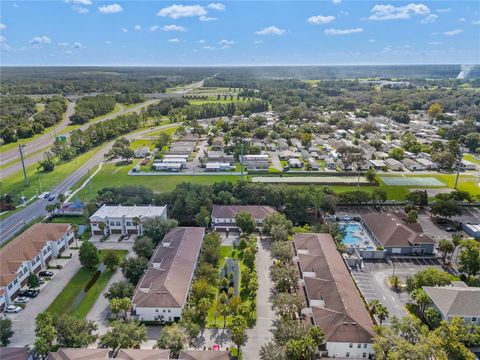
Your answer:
<point x="333" y="32"/>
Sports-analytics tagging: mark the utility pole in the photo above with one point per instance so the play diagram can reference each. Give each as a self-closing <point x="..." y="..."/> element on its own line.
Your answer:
<point x="459" y="163"/>
<point x="20" y="147"/>
<point x="241" y="162"/>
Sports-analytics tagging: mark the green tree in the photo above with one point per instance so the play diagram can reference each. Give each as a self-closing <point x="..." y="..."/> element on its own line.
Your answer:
<point x="118" y="290"/>
<point x="382" y="313"/>
<point x="120" y="305"/>
<point x="287" y="305"/>
<point x="282" y="251"/>
<point x="412" y="217"/>
<point x="156" y="228"/>
<point x="111" y="260"/>
<point x="245" y="222"/>
<point x="446" y="208"/>
<point x="45" y="334"/>
<point x="6" y="331"/>
<point x="469" y="257"/>
<point x="173" y="338"/>
<point x="397" y="153"/>
<point x="272" y="351"/>
<point x="371" y="175"/>
<point x="89" y="255"/>
<point x="284" y="278"/>
<point x="435" y="109"/>
<point x="429" y="277"/>
<point x="421" y="298"/>
<point x="124" y="335"/>
<point x="238" y="333"/>
<point x="33" y="281"/>
<point x="73" y="332"/>
<point x="133" y="268"/>
<point x="202" y="218"/>
<point x="446" y="247"/>
<point x="144" y="247"/>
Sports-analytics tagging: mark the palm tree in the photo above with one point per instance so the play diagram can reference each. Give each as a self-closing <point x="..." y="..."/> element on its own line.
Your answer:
<point x="75" y="229"/>
<point x="421" y="299"/>
<point x="446" y="246"/>
<point x="456" y="239"/>
<point x="136" y="222"/>
<point x="50" y="208"/>
<point x="382" y="312"/>
<point x="373" y="305"/>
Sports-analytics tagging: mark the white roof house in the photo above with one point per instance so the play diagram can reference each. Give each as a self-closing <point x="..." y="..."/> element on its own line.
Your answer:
<point x="119" y="211"/>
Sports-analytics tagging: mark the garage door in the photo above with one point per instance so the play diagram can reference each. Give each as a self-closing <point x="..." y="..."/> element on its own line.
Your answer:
<point x="396" y="250"/>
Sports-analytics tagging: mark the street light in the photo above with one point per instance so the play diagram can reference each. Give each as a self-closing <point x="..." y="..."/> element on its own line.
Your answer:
<point x="20" y="147"/>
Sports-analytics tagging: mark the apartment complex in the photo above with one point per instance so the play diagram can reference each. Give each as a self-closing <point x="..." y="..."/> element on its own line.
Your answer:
<point x="28" y="253"/>
<point x="223" y="216"/>
<point x="124" y="220"/>
<point x="163" y="290"/>
<point x="333" y="302"/>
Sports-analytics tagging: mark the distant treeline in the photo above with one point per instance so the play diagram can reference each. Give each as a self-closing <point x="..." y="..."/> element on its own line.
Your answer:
<point x="130" y="98"/>
<point x="18" y="119"/>
<point x="90" y="107"/>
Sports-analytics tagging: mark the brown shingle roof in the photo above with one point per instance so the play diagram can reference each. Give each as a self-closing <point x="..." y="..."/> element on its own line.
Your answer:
<point x="204" y="355"/>
<point x="78" y="354"/>
<point x="167" y="280"/>
<point x="392" y="232"/>
<point x="336" y="304"/>
<point x="229" y="211"/>
<point x="14" y="353"/>
<point x="143" y="354"/>
<point x="25" y="247"/>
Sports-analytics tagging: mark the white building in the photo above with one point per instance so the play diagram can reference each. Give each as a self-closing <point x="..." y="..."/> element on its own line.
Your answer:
<point x="124" y="219"/>
<point x="457" y="300"/>
<point x="28" y="253"/>
<point x="162" y="292"/>
<point x="294" y="163"/>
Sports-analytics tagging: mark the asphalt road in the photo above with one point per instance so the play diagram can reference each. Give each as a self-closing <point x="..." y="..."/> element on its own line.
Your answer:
<point x="14" y="223"/>
<point x="49" y="138"/>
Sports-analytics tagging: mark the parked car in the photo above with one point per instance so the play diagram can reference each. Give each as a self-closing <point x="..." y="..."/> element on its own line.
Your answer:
<point x="45" y="273"/>
<point x="28" y="293"/>
<point x="22" y="300"/>
<point x="52" y="197"/>
<point x="12" y="309"/>
<point x="41" y="280"/>
<point x="450" y="229"/>
<point x="47" y="195"/>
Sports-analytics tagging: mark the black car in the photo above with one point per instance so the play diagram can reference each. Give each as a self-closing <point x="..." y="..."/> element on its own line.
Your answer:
<point x="28" y="293"/>
<point x="45" y="273"/>
<point x="450" y="229"/>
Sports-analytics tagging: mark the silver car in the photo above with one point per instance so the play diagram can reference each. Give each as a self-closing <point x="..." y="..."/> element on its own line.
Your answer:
<point x="12" y="309"/>
<point x="22" y="300"/>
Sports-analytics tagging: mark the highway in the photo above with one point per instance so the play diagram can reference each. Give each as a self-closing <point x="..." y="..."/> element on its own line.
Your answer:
<point x="14" y="223"/>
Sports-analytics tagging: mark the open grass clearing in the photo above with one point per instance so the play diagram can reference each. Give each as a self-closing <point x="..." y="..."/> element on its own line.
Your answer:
<point x="65" y="301"/>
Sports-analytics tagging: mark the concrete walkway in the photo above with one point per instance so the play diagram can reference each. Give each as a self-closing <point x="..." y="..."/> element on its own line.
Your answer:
<point x="24" y="322"/>
<point x="260" y="334"/>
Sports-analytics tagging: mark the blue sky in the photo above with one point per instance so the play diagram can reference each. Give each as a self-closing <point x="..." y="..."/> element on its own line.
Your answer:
<point x="89" y="32"/>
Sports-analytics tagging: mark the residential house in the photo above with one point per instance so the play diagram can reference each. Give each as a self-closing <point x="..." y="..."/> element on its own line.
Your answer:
<point x="295" y="163"/>
<point x="100" y="354"/>
<point x="412" y="165"/>
<point x="220" y="156"/>
<point x="297" y="144"/>
<point x="163" y="290"/>
<point x="255" y="162"/>
<point x="16" y="353"/>
<point x="171" y="167"/>
<point x="330" y="164"/>
<point x="288" y="154"/>
<point x="124" y="220"/>
<point x="204" y="355"/>
<point x="141" y="152"/>
<point x="393" y="164"/>
<point x="217" y="166"/>
<point x="457" y="300"/>
<point x="313" y="164"/>
<point x="223" y="216"/>
<point x="396" y="236"/>
<point x="282" y="144"/>
<point x="427" y="164"/>
<point x="377" y="164"/>
<point x="28" y="253"/>
<point x="333" y="301"/>
<point x="217" y="143"/>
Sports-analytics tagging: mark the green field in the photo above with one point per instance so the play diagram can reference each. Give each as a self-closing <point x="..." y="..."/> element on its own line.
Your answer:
<point x="65" y="301"/>
<point x="472" y="158"/>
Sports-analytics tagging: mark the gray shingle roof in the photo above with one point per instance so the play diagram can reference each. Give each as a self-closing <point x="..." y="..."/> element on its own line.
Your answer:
<point x="455" y="301"/>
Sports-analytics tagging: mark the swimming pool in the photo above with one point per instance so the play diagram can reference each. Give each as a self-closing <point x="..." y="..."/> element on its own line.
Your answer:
<point x="356" y="236"/>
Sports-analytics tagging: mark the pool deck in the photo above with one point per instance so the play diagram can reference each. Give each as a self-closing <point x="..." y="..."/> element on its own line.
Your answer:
<point x="365" y="240"/>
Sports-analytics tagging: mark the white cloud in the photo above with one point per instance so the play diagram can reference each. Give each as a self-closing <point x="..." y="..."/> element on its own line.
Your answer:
<point x="110" y="9"/>
<point x="63" y="44"/>
<point x="320" y="19"/>
<point x="3" y="26"/>
<point x="453" y="32"/>
<point x="174" y="40"/>
<point x="429" y="19"/>
<point x="3" y="44"/>
<point x="68" y="53"/>
<point x="40" y="40"/>
<point x="80" y="9"/>
<point x="371" y="40"/>
<point x="201" y="41"/>
<point x="225" y="44"/>
<point x="124" y="30"/>
<point x="342" y="31"/>
<point x="434" y="43"/>
<point x="271" y="30"/>
<point x="79" y="2"/>
<point x="476" y="22"/>
<point x="137" y="28"/>
<point x="207" y="18"/>
<point x="180" y="11"/>
<point x="462" y="19"/>
<point x="154" y="28"/>
<point x="216" y="6"/>
<point x="256" y="42"/>
<point x="390" y="12"/>
<point x="173" y="28"/>
<point x="337" y="1"/>
<point x="108" y="42"/>
<point x="207" y="47"/>
<point x="446" y="10"/>
<point x="77" y="45"/>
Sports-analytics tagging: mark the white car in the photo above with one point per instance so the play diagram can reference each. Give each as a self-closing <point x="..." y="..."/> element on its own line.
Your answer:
<point x="22" y="300"/>
<point x="12" y="309"/>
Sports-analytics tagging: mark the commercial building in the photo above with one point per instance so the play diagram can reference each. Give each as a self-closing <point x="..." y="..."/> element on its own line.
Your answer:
<point x="456" y="300"/>
<point x="333" y="302"/>
<point x="396" y="236"/>
<point x="223" y="216"/>
<point x="163" y="290"/>
<point x="124" y="220"/>
<point x="28" y="253"/>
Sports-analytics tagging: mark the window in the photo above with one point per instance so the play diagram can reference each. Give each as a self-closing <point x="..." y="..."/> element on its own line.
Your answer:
<point x="350" y="346"/>
<point x="156" y="310"/>
<point x="129" y="223"/>
<point x="364" y="355"/>
<point x="15" y="282"/>
<point x="44" y="251"/>
<point x="9" y="286"/>
<point x="364" y="346"/>
<point x="347" y="354"/>
<point x="359" y="346"/>
<point x="163" y="310"/>
<point x="38" y="257"/>
<point x="169" y="310"/>
<point x="474" y="319"/>
<point x="49" y="247"/>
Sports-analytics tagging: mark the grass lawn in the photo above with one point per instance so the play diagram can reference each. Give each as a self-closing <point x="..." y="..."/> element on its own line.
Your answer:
<point x="135" y="144"/>
<point x="68" y="219"/>
<point x="42" y="181"/>
<point x="472" y="158"/>
<point x="64" y="303"/>
<point x="168" y="131"/>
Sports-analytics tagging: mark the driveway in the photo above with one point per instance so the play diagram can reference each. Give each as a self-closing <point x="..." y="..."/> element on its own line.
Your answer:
<point x="275" y="160"/>
<point x="24" y="322"/>
<point x="260" y="334"/>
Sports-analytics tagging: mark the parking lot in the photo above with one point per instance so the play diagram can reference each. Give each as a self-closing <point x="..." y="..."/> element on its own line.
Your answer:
<point x="372" y="281"/>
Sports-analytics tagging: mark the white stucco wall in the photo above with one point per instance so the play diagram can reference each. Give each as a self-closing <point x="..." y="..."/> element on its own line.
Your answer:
<point x="337" y="349"/>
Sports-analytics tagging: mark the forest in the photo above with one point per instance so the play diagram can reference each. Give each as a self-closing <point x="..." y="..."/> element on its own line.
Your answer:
<point x="90" y="107"/>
